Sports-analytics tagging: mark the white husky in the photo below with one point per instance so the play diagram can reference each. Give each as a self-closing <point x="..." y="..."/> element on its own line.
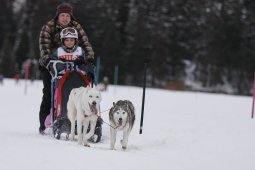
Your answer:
<point x="83" y="106"/>
<point x="122" y="118"/>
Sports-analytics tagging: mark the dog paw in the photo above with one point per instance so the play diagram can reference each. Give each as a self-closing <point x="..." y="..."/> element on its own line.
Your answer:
<point x="86" y="145"/>
<point x="123" y="144"/>
<point x="71" y="137"/>
<point x="94" y="138"/>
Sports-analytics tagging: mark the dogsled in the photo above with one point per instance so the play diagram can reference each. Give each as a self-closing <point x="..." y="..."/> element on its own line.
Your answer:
<point x="65" y="76"/>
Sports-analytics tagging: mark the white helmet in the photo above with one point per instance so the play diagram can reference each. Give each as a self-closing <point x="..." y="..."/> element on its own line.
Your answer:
<point x="69" y="32"/>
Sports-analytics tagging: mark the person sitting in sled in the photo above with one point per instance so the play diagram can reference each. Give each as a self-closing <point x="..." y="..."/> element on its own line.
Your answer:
<point x="70" y="51"/>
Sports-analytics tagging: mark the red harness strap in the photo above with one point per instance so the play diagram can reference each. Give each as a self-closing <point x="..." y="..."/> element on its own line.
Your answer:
<point x="58" y="104"/>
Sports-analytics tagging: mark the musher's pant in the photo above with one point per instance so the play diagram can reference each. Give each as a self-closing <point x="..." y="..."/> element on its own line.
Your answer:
<point x="46" y="99"/>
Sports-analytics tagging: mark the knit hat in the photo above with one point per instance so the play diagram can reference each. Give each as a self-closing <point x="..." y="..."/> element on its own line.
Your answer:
<point x="64" y="8"/>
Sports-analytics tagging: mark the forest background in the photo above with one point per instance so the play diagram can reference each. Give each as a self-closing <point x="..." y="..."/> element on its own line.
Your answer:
<point x="188" y="44"/>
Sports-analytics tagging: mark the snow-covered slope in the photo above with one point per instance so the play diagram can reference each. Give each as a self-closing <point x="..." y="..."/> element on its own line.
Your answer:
<point x="182" y="131"/>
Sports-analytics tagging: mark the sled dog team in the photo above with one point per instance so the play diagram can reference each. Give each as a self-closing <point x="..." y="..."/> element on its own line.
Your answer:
<point x="83" y="107"/>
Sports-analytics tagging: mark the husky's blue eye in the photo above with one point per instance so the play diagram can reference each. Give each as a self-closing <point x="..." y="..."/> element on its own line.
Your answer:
<point x="97" y="97"/>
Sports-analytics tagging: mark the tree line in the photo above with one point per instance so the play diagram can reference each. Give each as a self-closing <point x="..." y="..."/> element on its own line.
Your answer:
<point x="210" y="43"/>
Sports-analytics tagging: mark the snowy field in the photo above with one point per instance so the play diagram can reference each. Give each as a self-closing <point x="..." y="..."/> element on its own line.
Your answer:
<point x="182" y="131"/>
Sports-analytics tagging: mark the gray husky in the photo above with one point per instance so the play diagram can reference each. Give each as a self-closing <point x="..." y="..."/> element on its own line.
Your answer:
<point x="121" y="118"/>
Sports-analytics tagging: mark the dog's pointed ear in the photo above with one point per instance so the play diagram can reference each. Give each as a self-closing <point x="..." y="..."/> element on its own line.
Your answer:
<point x="114" y="103"/>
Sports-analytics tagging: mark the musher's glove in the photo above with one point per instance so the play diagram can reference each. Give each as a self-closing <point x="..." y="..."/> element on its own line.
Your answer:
<point x="49" y="59"/>
<point x="90" y="60"/>
<point x="79" y="61"/>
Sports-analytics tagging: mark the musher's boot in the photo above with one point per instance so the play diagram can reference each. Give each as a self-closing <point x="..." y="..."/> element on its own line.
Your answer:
<point x="41" y="130"/>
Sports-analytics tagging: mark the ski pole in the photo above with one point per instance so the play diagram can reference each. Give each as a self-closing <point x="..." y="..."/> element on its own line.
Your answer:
<point x="143" y="99"/>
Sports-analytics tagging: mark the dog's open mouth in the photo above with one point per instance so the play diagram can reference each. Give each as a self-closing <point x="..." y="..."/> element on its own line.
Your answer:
<point x="93" y="108"/>
<point x="120" y="122"/>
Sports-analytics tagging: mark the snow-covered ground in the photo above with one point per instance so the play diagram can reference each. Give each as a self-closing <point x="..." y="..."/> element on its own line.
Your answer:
<point x="182" y="131"/>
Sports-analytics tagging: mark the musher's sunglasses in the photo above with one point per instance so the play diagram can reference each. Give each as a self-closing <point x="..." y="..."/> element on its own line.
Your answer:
<point x="69" y="31"/>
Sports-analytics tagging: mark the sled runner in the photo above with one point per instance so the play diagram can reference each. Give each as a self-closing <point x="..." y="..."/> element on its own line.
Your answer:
<point x="65" y="77"/>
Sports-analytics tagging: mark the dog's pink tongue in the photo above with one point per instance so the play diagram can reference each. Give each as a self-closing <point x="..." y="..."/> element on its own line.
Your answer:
<point x="93" y="109"/>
